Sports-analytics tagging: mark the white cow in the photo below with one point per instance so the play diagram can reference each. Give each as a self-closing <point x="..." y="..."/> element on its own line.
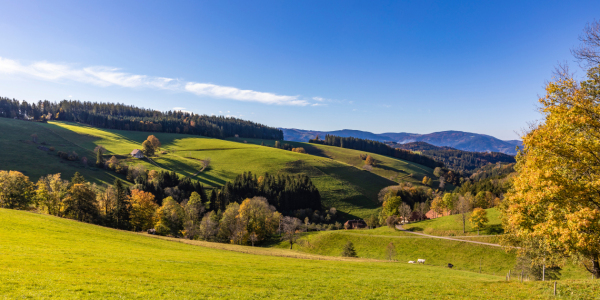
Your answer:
<point x="420" y="261"/>
<point x="411" y="262"/>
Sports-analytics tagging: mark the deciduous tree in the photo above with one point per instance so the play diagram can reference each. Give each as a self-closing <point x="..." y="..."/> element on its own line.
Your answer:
<point x="142" y="210"/>
<point x="16" y="191"/>
<point x="556" y="194"/>
<point x="478" y="219"/>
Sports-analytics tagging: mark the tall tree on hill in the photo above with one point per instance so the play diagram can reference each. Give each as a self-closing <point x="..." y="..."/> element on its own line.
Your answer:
<point x="121" y="212"/>
<point x="154" y="141"/>
<point x="147" y="148"/>
<point x="555" y="198"/>
<point x="80" y="204"/>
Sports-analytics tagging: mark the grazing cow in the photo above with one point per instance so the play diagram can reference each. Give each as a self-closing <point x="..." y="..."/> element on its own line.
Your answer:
<point x="151" y="231"/>
<point x="411" y="262"/>
<point x="450" y="266"/>
<point x="420" y="261"/>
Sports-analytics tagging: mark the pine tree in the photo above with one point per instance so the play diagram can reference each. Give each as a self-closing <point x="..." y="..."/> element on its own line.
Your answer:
<point x="77" y="179"/>
<point x="349" y="250"/>
<point x="121" y="206"/>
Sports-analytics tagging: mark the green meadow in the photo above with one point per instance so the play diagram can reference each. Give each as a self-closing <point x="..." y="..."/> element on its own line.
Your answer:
<point x="451" y="226"/>
<point x="47" y="257"/>
<point x="336" y="172"/>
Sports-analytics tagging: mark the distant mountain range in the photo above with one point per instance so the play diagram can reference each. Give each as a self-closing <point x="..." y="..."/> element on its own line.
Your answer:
<point x="466" y="141"/>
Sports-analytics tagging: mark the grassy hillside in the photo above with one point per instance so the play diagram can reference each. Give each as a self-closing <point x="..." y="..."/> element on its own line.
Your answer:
<point x="388" y="167"/>
<point x="44" y="256"/>
<point x="352" y="191"/>
<point x="450" y="226"/>
<point x="437" y="252"/>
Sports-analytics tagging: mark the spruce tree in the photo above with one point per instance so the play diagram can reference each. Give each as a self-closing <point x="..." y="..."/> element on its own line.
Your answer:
<point x="121" y="206"/>
<point x="349" y="250"/>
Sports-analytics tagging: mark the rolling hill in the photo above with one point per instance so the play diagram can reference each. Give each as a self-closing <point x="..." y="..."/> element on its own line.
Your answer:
<point x="48" y="257"/>
<point x="466" y="141"/>
<point x="335" y="172"/>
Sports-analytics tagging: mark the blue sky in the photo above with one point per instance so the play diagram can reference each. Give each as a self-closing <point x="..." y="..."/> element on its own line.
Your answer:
<point x="418" y="66"/>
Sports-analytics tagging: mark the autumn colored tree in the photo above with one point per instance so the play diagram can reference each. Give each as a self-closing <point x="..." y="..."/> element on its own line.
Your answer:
<point x="370" y="160"/>
<point x="169" y="218"/>
<point x="51" y="191"/>
<point x="555" y="198"/>
<point x="147" y="148"/>
<point x="154" y="141"/>
<point x="258" y="217"/>
<point x="209" y="226"/>
<point x="142" y="210"/>
<point x="425" y="180"/>
<point x="193" y="209"/>
<point x="437" y="205"/>
<point x="478" y="219"/>
<point x="16" y="191"/>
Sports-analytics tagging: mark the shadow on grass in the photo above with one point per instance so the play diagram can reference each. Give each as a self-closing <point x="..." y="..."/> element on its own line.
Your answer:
<point x="415" y="229"/>
<point x="494" y="229"/>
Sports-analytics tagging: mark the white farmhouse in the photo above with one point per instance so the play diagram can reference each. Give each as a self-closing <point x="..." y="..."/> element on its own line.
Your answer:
<point x="137" y="153"/>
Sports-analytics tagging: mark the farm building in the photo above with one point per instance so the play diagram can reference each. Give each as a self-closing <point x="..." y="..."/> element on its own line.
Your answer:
<point x="355" y="224"/>
<point x="137" y="153"/>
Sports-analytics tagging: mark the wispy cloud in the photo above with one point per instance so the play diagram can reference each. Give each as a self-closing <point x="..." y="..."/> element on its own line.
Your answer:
<point x="106" y="76"/>
<point x="217" y="91"/>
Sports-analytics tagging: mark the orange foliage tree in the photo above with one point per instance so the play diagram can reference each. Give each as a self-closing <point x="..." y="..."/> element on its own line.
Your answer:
<point x="142" y="210"/>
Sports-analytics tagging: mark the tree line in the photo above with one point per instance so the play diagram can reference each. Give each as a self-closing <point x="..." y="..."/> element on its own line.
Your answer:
<point x="187" y="214"/>
<point x="376" y="147"/>
<point x="286" y="193"/>
<point x="129" y="117"/>
<point x="455" y="159"/>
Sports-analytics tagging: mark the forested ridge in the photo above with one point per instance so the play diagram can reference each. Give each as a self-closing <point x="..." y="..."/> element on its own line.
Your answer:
<point x="455" y="159"/>
<point x="376" y="147"/>
<point x="285" y="193"/>
<point x="129" y="117"/>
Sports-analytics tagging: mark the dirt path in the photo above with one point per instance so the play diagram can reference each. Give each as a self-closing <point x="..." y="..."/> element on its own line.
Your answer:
<point x="399" y="227"/>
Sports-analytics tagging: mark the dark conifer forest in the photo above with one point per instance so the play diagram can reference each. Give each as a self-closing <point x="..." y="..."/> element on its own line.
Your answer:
<point x="285" y="193"/>
<point x="128" y="117"/>
<point x="455" y="159"/>
<point x="376" y="147"/>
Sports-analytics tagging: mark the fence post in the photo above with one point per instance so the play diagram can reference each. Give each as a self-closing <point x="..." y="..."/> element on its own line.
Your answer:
<point x="555" y="288"/>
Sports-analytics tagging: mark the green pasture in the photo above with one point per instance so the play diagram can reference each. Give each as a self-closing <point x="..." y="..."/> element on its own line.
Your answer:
<point x="451" y="226"/>
<point x="48" y="257"/>
<point x="387" y="167"/>
<point x="373" y="243"/>
<point x="352" y="191"/>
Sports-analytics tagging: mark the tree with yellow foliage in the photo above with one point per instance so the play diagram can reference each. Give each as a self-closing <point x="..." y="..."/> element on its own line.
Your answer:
<point x="142" y="210"/>
<point x="478" y="219"/>
<point x="555" y="199"/>
<point x="16" y="191"/>
<point x="154" y="141"/>
<point x="50" y="193"/>
<point x="258" y="218"/>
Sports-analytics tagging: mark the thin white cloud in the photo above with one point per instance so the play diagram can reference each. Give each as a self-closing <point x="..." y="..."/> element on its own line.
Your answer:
<point x="217" y="91"/>
<point x="106" y="76"/>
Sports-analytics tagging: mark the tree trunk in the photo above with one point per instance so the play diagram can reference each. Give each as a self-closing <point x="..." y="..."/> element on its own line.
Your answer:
<point x="464" y="221"/>
<point x="291" y="244"/>
<point x="596" y="268"/>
